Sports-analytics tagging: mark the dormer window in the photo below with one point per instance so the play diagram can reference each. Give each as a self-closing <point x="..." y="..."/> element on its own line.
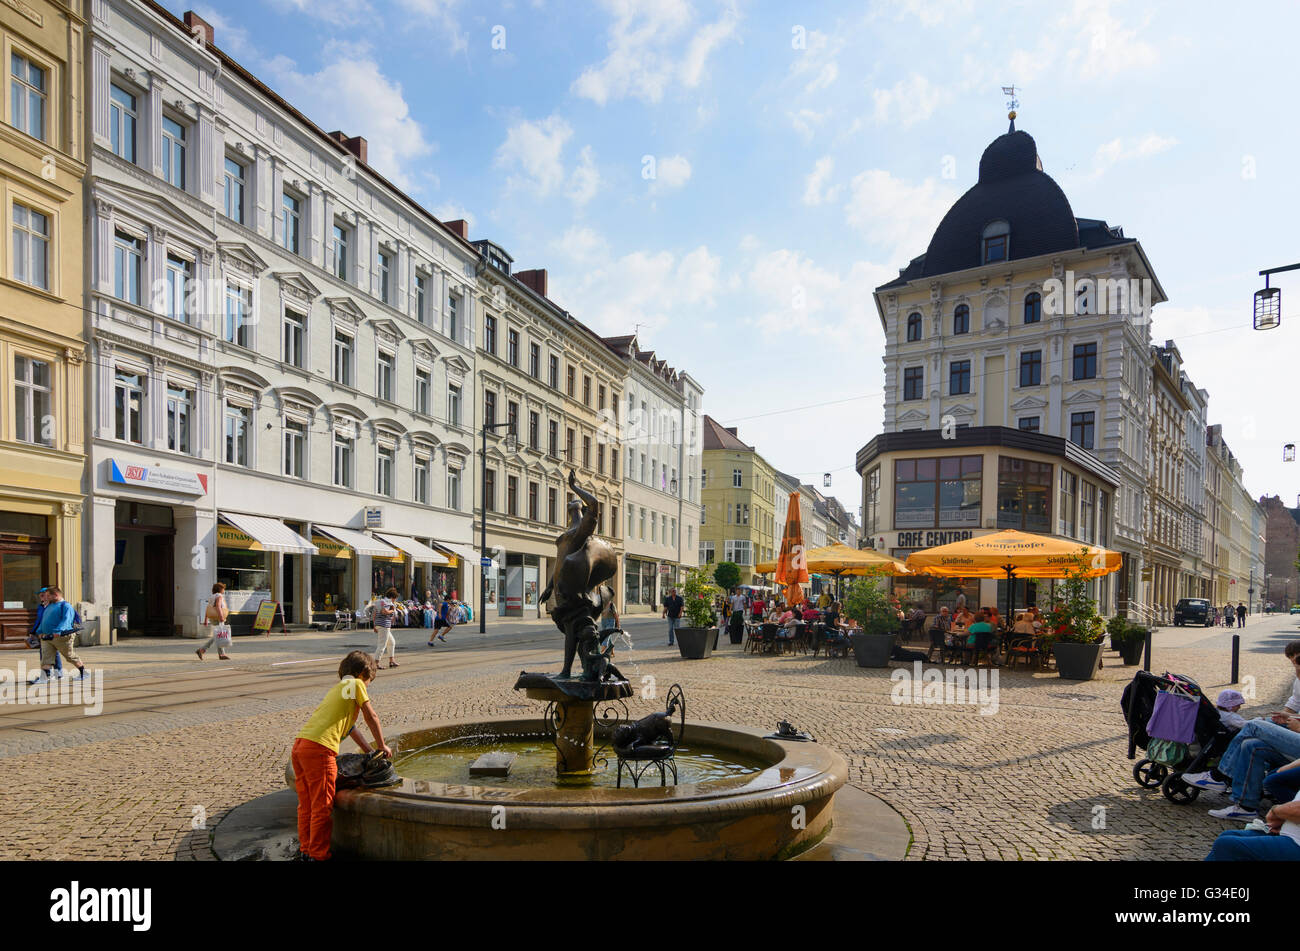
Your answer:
<point x="913" y="327"/>
<point x="997" y="241"/>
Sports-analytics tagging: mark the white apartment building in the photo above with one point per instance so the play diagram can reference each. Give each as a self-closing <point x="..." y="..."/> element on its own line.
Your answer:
<point x="662" y="442"/>
<point x="280" y="345"/>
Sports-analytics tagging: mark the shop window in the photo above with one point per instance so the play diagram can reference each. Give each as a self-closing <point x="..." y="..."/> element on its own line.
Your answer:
<point x="937" y="493"/>
<point x="1024" y="495"/>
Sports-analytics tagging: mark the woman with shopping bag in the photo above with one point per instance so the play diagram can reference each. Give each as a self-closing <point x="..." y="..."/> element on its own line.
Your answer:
<point x="216" y="617"/>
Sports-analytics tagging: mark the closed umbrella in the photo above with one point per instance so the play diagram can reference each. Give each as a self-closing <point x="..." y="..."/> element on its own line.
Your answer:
<point x="791" y="561"/>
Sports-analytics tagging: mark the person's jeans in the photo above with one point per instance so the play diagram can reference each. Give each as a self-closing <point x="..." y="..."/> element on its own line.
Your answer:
<point x="1281" y="785"/>
<point x="1257" y="749"/>
<point x="673" y="623"/>
<point x="1249" y="845"/>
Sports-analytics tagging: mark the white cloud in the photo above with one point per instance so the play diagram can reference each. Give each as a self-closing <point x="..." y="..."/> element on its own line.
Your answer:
<point x="910" y="100"/>
<point x="795" y="296"/>
<point x="935" y="12"/>
<point x="582" y="245"/>
<point x="816" y="65"/>
<point x="333" y="12"/>
<point x="806" y="121"/>
<point x="1109" y="153"/>
<point x="643" y="40"/>
<point x="896" y="214"/>
<point x="816" y="191"/>
<point x="439" y="13"/>
<point x="532" y="153"/>
<point x="230" y="38"/>
<point x="653" y="289"/>
<point x="353" y="94"/>
<point x="672" y="171"/>
<point x="585" y="180"/>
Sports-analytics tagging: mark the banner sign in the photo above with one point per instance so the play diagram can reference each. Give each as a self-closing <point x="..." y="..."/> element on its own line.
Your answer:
<point x="230" y="537"/>
<point x="374" y="516"/>
<point x="265" y="615"/>
<point x="329" y="548"/>
<point x="156" y="477"/>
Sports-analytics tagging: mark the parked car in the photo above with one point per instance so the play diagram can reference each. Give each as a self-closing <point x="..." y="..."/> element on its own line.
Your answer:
<point x="1295" y="609"/>
<point x="1193" y="611"/>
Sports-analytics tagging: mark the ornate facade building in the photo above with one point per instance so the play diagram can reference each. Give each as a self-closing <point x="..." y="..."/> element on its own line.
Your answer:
<point x="42" y="332"/>
<point x="282" y="341"/>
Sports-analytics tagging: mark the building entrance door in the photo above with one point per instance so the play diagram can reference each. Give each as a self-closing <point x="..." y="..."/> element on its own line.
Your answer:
<point x="160" y="589"/>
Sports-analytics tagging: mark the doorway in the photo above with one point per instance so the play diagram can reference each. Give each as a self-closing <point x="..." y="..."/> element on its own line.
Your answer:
<point x="144" y="570"/>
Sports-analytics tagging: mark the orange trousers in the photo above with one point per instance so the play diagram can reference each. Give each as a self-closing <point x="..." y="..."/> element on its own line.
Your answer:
<point x="315" y="771"/>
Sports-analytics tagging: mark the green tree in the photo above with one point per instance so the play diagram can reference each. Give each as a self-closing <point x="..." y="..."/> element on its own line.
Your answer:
<point x="1073" y="615"/>
<point x="727" y="575"/>
<point x="869" y="604"/>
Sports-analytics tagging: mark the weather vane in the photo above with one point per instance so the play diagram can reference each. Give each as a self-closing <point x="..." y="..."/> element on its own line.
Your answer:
<point x="1012" y="104"/>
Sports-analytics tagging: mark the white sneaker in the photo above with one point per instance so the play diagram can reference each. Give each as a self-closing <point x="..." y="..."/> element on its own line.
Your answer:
<point x="1234" y="811"/>
<point x="1203" y="781"/>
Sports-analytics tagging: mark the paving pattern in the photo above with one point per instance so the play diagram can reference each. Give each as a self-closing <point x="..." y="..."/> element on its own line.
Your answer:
<point x="180" y="743"/>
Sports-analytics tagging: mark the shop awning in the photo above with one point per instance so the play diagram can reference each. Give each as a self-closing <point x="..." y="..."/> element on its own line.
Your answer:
<point x="359" y="542"/>
<point x="468" y="553"/>
<point x="271" y="533"/>
<point x="417" y="550"/>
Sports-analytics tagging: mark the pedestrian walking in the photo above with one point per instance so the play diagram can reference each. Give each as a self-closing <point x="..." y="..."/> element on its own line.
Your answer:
<point x="56" y="632"/>
<point x="673" y="605"/>
<point x="385" y="611"/>
<point x="448" y="616"/>
<point x="42" y="599"/>
<point x="1241" y="614"/>
<point x="736" y="628"/>
<point x="215" y="616"/>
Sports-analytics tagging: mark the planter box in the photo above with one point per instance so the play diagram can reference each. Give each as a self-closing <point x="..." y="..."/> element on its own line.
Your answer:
<point x="696" y="643"/>
<point x="1131" y="651"/>
<point x="1077" y="661"/>
<point x="872" y="650"/>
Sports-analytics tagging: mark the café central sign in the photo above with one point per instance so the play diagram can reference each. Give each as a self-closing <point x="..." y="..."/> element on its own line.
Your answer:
<point x="929" y="539"/>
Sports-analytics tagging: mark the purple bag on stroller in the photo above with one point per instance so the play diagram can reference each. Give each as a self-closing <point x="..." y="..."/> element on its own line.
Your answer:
<point x="1173" y="718"/>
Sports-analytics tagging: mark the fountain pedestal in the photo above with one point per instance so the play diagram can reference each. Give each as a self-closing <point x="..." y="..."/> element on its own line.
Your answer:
<point x="574" y="716"/>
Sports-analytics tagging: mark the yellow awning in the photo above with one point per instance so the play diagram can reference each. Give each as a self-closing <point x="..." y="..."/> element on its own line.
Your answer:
<point x="1024" y="554"/>
<point x="840" y="559"/>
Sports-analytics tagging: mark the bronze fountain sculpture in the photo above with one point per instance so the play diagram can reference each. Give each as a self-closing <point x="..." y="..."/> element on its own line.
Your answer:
<point x="577" y="594"/>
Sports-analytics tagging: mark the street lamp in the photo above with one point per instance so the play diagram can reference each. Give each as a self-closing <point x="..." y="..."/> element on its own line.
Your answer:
<point x="1268" y="300"/>
<point x="1288" y="452"/>
<point x="512" y="446"/>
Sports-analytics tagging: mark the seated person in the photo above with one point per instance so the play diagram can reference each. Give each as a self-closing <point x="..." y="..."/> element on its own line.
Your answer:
<point x="784" y="617"/>
<point x="833" y="619"/>
<point x="980" y="634"/>
<point x="1229" y="702"/>
<point x="1024" y="625"/>
<point x="1280" y="843"/>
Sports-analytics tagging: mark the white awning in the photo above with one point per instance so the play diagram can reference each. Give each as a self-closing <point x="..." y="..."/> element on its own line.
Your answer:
<point x="417" y="550"/>
<point x="467" y="553"/>
<point x="359" y="542"/>
<point x="271" y="533"/>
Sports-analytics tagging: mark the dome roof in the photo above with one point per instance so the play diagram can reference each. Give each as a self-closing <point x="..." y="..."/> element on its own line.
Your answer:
<point x="1012" y="187"/>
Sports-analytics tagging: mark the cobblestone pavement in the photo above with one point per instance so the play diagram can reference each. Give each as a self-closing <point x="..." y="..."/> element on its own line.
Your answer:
<point x="180" y="742"/>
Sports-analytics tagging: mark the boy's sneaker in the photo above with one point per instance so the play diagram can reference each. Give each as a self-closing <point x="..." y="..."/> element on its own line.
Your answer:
<point x="441" y="638"/>
<point x="1234" y="811"/>
<point x="1204" y="781"/>
<point x="84" y="675"/>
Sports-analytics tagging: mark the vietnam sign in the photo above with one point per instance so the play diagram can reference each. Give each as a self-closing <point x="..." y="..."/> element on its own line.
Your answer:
<point x="156" y="477"/>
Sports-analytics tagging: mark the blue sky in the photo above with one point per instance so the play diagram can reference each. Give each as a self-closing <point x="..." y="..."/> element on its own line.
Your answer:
<point x="801" y="158"/>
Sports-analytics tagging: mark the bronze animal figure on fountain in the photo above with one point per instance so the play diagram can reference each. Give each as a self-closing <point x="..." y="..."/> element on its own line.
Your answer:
<point x="654" y="730"/>
<point x="583" y="563"/>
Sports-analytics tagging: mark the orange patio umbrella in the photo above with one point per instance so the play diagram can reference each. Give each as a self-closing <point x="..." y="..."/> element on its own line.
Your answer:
<point x="792" y="563"/>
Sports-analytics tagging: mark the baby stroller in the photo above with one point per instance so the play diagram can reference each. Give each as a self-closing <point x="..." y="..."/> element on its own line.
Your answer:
<point x="1208" y="737"/>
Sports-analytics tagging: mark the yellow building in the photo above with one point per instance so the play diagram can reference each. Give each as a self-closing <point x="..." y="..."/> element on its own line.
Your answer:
<point x="739" y="522"/>
<point x="42" y="347"/>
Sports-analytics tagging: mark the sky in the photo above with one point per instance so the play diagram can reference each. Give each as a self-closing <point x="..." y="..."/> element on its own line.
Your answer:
<point x="731" y="180"/>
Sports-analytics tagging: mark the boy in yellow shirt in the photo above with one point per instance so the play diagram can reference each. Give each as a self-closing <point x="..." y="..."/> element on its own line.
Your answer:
<point x="315" y="769"/>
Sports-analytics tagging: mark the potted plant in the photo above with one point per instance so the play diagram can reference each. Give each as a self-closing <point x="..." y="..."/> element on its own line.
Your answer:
<point x="871" y="607"/>
<point x="1130" y="642"/>
<point x="698" y="640"/>
<point x="1075" y="627"/>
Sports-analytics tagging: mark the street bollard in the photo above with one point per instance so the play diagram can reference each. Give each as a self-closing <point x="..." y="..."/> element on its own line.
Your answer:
<point x="1146" y="653"/>
<point x="1236" y="658"/>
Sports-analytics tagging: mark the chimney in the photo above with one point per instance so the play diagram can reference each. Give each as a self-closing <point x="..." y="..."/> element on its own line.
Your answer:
<point x="193" y="21"/>
<point x="536" y="279"/>
<point x="354" y="144"/>
<point x="460" y="226"/>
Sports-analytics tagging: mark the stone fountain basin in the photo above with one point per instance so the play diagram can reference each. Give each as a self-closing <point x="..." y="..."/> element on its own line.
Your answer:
<point x="775" y="813"/>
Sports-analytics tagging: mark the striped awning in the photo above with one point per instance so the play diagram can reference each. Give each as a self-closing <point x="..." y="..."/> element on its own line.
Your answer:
<point x="271" y="533"/>
<point x="417" y="550"/>
<point x="467" y="552"/>
<point x="359" y="542"/>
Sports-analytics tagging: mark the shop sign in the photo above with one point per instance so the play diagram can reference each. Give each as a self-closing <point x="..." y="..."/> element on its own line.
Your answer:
<point x="330" y="548"/>
<point x="156" y="477"/>
<point x="374" y="516"/>
<point x="230" y="537"/>
<point x="929" y="539"/>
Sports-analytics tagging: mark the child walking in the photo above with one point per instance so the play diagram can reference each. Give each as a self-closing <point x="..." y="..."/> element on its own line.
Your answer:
<point x="315" y="769"/>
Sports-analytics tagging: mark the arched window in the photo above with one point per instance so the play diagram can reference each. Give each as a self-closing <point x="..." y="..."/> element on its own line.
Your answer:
<point x="961" y="319"/>
<point x="913" y="327"/>
<point x="1033" y="308"/>
<point x="996" y="244"/>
